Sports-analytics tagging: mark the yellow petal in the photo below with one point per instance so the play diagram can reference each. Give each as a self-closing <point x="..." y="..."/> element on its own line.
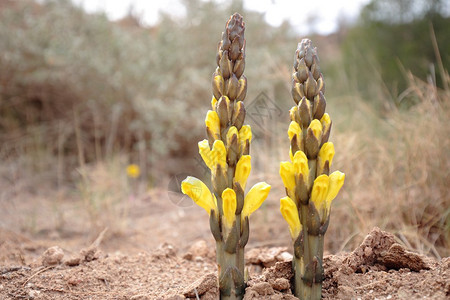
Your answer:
<point x="243" y="168"/>
<point x="326" y="153"/>
<point x="287" y="174"/>
<point x="316" y="128"/>
<point x="254" y="198"/>
<point x="213" y="103"/>
<point x="290" y="213"/>
<point x="319" y="191"/>
<point x="301" y="164"/>
<point x="219" y="154"/>
<point x="294" y="128"/>
<point x="326" y="122"/>
<point x="245" y="133"/>
<point x="229" y="206"/>
<point x="213" y="123"/>
<point x="205" y="153"/>
<point x="231" y="131"/>
<point x="336" y="182"/>
<point x="199" y="192"/>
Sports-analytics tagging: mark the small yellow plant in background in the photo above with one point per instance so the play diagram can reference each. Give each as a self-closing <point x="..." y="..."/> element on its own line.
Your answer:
<point x="133" y="171"/>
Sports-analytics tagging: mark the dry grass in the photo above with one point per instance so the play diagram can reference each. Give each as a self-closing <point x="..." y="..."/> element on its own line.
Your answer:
<point x="397" y="169"/>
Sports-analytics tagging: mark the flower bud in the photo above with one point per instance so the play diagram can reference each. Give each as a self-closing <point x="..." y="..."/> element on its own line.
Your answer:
<point x="218" y="84"/>
<point x="242" y="88"/>
<point x="319" y="106"/>
<point x="238" y="115"/>
<point x="225" y="65"/>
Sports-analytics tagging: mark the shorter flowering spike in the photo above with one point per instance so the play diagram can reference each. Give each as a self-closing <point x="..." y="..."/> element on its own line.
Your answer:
<point x="199" y="193"/>
<point x="290" y="213"/>
<point x="254" y="198"/>
<point x="242" y="172"/>
<point x="229" y="206"/>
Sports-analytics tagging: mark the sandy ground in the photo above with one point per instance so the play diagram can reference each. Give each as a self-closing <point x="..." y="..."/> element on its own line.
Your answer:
<point x="149" y="259"/>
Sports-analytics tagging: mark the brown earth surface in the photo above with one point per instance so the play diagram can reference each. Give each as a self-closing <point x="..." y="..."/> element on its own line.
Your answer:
<point x="166" y="252"/>
<point x="378" y="269"/>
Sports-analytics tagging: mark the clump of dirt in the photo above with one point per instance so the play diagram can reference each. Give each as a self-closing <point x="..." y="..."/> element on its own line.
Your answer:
<point x="378" y="268"/>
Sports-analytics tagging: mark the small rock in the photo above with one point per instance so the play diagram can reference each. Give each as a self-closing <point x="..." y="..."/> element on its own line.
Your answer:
<point x="52" y="256"/>
<point x="200" y="248"/>
<point x="188" y="256"/>
<point x="73" y="261"/>
<point x="263" y="288"/>
<point x="281" y="284"/>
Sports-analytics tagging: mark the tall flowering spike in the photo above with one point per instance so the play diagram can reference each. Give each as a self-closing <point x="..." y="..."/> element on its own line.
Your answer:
<point x="309" y="189"/>
<point x="226" y="152"/>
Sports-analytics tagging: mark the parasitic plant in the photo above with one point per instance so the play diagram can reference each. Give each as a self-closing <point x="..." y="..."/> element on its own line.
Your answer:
<point x="309" y="186"/>
<point x="226" y="153"/>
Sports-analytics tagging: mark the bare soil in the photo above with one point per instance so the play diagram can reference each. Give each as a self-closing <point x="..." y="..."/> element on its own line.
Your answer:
<point x="166" y="252"/>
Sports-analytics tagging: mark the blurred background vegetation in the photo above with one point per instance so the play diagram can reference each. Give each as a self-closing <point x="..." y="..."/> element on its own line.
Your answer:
<point x="82" y="97"/>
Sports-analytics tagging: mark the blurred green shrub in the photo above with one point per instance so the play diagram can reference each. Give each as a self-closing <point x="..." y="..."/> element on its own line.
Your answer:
<point x="391" y="37"/>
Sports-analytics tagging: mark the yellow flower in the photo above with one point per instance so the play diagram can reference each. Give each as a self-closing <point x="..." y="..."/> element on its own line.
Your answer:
<point x="319" y="191"/>
<point x="245" y="133"/>
<point x="199" y="192"/>
<point x="336" y="182"/>
<point x="324" y="190"/>
<point x="219" y="155"/>
<point x="229" y="206"/>
<point x="133" y="171"/>
<point x="301" y="164"/>
<point x="254" y="198"/>
<point x="316" y="128"/>
<point x="243" y="168"/>
<point x="205" y="153"/>
<point x="213" y="123"/>
<point x="326" y="153"/>
<point x="290" y="213"/>
<point x="294" y="128"/>
<point x="287" y="174"/>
